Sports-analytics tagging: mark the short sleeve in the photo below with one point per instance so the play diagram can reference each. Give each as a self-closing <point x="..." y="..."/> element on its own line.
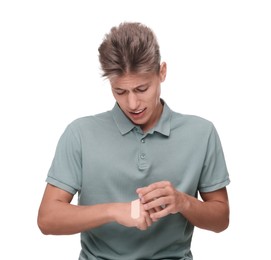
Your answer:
<point x="66" y="169"/>
<point x="214" y="173"/>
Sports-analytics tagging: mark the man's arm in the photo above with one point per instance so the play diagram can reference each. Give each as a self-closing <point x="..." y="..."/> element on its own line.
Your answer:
<point x="212" y="213"/>
<point x="58" y="217"/>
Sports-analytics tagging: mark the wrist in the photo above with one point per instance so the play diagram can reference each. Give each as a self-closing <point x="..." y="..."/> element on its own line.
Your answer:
<point x="113" y="211"/>
<point x="184" y="202"/>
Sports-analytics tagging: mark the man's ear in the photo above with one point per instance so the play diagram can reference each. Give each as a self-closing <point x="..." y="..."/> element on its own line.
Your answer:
<point x="163" y="71"/>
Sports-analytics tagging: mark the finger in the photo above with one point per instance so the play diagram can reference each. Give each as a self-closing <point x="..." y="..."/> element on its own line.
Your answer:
<point x="157" y="204"/>
<point x="141" y="223"/>
<point x="145" y="220"/>
<point x="144" y="190"/>
<point x="148" y="220"/>
<point x="153" y="195"/>
<point x="159" y="214"/>
<point x="154" y="210"/>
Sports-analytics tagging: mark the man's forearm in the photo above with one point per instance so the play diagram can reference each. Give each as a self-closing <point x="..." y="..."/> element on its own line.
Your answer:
<point x="210" y="215"/>
<point x="61" y="218"/>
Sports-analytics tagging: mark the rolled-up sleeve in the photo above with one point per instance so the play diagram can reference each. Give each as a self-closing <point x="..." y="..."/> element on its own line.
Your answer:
<point x="66" y="169"/>
<point x="214" y="173"/>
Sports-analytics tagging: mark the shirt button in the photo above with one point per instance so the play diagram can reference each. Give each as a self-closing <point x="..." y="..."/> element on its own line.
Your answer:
<point x="142" y="140"/>
<point x="142" y="156"/>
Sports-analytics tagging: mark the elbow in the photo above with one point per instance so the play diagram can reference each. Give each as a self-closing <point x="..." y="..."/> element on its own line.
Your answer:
<point x="224" y="220"/>
<point x="221" y="229"/>
<point x="43" y="225"/>
<point x="222" y="226"/>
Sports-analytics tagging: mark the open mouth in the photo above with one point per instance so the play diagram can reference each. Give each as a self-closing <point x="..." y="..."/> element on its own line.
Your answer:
<point x="138" y="113"/>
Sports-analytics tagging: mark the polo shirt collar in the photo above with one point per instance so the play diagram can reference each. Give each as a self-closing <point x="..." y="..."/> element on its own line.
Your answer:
<point x="125" y="125"/>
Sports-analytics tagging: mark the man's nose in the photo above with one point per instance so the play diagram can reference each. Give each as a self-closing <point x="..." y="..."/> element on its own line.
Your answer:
<point x="133" y="101"/>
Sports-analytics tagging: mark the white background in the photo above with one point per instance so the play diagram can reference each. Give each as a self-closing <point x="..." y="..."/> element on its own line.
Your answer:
<point x="219" y="66"/>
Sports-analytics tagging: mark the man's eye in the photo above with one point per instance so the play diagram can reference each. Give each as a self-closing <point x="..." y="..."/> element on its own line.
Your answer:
<point x="142" y="89"/>
<point x="119" y="92"/>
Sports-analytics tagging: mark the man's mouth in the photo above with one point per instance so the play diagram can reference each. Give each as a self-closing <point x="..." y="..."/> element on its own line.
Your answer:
<point x="138" y="114"/>
<point x="138" y="111"/>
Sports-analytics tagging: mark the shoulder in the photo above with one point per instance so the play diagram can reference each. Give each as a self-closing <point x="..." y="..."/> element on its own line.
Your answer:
<point x="190" y="122"/>
<point x="192" y="129"/>
<point x="91" y="122"/>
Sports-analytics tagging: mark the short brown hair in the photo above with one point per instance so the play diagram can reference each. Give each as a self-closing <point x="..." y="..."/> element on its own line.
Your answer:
<point x="129" y="48"/>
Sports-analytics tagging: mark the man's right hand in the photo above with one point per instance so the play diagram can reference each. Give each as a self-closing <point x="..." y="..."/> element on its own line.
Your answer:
<point x="122" y="215"/>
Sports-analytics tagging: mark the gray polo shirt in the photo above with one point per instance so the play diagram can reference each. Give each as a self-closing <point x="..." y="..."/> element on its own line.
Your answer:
<point x="105" y="158"/>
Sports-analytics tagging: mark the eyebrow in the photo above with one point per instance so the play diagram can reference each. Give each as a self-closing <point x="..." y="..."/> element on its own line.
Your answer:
<point x="139" y="86"/>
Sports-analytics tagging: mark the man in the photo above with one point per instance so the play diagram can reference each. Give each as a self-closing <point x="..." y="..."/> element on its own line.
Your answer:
<point x="140" y="149"/>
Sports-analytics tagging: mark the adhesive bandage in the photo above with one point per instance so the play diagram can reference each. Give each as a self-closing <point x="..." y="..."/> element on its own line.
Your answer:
<point x="135" y="209"/>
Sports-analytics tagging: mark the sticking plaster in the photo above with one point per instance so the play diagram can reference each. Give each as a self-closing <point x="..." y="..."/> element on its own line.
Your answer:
<point x="135" y="209"/>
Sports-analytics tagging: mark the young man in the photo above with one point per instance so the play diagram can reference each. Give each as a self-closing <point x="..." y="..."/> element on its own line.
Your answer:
<point x="140" y="149"/>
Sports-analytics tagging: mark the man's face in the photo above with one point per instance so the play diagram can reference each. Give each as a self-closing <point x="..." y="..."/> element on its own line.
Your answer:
<point x="138" y="95"/>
